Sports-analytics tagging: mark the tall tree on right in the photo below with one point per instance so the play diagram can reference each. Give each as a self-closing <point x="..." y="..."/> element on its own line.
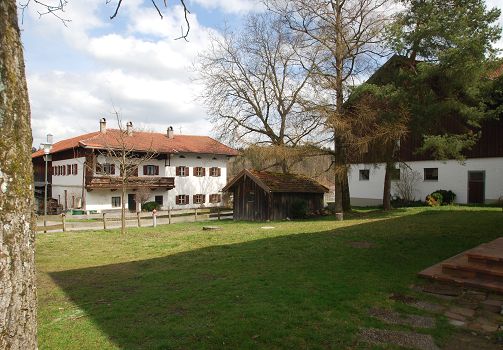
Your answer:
<point x="448" y="45"/>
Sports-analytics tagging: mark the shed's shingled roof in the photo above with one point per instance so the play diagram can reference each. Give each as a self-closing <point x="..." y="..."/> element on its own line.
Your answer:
<point x="143" y="141"/>
<point x="279" y="182"/>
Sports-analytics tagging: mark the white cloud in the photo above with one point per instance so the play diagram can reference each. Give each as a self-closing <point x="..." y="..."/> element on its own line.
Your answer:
<point x="137" y="68"/>
<point x="232" y="6"/>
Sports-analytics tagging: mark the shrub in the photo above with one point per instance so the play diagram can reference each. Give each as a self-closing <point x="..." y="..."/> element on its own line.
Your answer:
<point x="447" y="196"/>
<point x="397" y="202"/>
<point x="298" y="209"/>
<point x="149" y="206"/>
<point x="434" y="199"/>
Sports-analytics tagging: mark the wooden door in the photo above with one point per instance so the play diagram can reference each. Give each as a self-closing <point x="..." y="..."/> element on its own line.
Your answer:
<point x="131" y="202"/>
<point x="476" y="186"/>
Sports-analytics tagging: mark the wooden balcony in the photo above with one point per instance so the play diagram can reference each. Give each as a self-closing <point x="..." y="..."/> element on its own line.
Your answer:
<point x="135" y="182"/>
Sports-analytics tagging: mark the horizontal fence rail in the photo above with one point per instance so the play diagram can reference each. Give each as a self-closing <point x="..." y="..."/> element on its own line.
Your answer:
<point x="107" y="219"/>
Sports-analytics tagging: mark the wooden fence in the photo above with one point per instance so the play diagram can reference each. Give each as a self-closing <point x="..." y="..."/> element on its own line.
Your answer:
<point x="52" y="227"/>
<point x="106" y="219"/>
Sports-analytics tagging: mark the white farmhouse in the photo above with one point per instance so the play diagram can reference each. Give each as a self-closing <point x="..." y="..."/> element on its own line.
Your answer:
<point x="186" y="172"/>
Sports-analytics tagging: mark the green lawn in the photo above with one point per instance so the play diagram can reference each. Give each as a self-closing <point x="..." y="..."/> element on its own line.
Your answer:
<point x="299" y="285"/>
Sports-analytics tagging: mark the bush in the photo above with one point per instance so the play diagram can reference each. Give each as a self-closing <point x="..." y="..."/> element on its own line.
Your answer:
<point x="447" y="196"/>
<point x="149" y="206"/>
<point x="434" y="199"/>
<point x="298" y="209"/>
<point x="398" y="202"/>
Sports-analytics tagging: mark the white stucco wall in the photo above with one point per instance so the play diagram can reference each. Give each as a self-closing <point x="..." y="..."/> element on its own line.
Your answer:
<point x="71" y="183"/>
<point x="100" y="200"/>
<point x="452" y="175"/>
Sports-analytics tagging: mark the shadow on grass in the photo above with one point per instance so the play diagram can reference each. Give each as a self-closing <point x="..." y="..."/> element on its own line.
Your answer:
<point x="296" y="291"/>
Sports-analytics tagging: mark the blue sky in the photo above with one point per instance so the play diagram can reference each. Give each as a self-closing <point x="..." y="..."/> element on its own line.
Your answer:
<point x="83" y="71"/>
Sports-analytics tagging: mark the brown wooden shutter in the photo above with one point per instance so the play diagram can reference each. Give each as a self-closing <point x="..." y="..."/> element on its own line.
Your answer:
<point x="194" y="199"/>
<point x="187" y="171"/>
<point x="144" y="170"/>
<point x="218" y="172"/>
<point x="203" y="198"/>
<point x="76" y="169"/>
<point x="186" y="199"/>
<point x="177" y="171"/>
<point x="194" y="171"/>
<point x="112" y="169"/>
<point x="177" y="199"/>
<point x="204" y="171"/>
<point x="157" y="169"/>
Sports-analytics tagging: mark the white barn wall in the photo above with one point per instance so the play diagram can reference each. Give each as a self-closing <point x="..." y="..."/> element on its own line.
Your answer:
<point x="452" y="175"/>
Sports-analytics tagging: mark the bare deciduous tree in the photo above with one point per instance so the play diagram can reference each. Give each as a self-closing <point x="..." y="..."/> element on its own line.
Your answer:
<point x="143" y="194"/>
<point x="406" y="187"/>
<point x="119" y="149"/>
<point x="256" y="81"/>
<point x="348" y="34"/>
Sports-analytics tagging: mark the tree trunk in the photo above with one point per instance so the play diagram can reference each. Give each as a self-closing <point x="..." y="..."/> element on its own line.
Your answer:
<point x="346" y="199"/>
<point x="338" y="180"/>
<point x="123" y="208"/>
<point x="18" y="323"/>
<point x="386" y="197"/>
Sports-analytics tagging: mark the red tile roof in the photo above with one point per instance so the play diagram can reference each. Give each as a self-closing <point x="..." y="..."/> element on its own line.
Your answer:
<point x="143" y="141"/>
<point x="279" y="182"/>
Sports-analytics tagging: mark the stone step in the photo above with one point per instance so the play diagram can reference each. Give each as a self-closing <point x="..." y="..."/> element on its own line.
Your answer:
<point x="462" y="266"/>
<point x="477" y="268"/>
<point x="490" y="253"/>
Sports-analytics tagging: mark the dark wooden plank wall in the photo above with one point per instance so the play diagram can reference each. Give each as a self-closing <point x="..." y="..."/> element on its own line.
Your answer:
<point x="282" y="203"/>
<point x="258" y="210"/>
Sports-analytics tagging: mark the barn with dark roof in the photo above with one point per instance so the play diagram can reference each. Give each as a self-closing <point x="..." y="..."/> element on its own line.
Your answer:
<point x="262" y="195"/>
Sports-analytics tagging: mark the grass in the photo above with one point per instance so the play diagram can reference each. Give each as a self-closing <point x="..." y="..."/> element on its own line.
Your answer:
<point x="299" y="285"/>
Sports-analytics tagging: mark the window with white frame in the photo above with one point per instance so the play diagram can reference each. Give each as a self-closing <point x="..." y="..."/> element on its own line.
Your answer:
<point x="199" y="199"/>
<point x="215" y="171"/>
<point x="182" y="171"/>
<point x="182" y="199"/>
<point x="151" y="170"/>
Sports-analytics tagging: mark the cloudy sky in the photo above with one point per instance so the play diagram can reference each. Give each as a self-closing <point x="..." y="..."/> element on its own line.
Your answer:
<point x="83" y="71"/>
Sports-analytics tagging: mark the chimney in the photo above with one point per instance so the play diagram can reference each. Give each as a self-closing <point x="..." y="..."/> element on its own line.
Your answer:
<point x="103" y="126"/>
<point x="129" y="128"/>
<point x="50" y="139"/>
<point x="170" y="132"/>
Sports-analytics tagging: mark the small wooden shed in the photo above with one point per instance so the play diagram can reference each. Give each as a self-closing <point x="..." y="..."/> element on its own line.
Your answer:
<point x="262" y="195"/>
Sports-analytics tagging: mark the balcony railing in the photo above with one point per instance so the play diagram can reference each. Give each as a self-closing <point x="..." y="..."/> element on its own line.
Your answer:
<point x="115" y="182"/>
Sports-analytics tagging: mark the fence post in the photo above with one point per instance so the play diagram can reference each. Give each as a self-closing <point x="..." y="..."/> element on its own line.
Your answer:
<point x="195" y="214"/>
<point x="63" y="220"/>
<point x="104" y="221"/>
<point x="218" y="212"/>
<point x="169" y="215"/>
<point x="45" y="223"/>
<point x="138" y="217"/>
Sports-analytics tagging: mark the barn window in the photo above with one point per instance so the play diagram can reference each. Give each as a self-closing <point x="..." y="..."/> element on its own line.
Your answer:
<point x="250" y="196"/>
<point x="215" y="198"/>
<point x="116" y="202"/>
<point x="199" y="199"/>
<point x="395" y="174"/>
<point x="159" y="200"/>
<point x="431" y="174"/>
<point x="364" y="174"/>
<point x="182" y="171"/>
<point x="215" y="171"/>
<point x="74" y="169"/>
<point x="150" y="170"/>
<point x="68" y="169"/>
<point x="199" y="171"/>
